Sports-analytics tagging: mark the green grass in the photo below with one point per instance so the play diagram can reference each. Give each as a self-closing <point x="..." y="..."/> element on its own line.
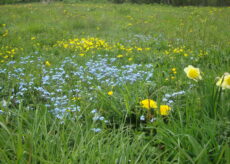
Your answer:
<point x="161" y="38"/>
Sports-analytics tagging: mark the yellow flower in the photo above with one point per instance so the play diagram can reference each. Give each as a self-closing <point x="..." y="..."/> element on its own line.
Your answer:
<point x="193" y="73"/>
<point x="166" y="52"/>
<point x="130" y="59"/>
<point x="5" y="34"/>
<point x="129" y="24"/>
<point x="75" y="98"/>
<point x="33" y="38"/>
<point x="224" y="81"/>
<point x="148" y="104"/>
<point x="173" y="69"/>
<point x="164" y="110"/>
<point x="82" y="54"/>
<point x="110" y="93"/>
<point x="119" y="56"/>
<point x="47" y="63"/>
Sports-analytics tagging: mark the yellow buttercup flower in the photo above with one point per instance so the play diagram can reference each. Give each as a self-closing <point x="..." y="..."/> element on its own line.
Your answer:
<point x="129" y="24"/>
<point x="173" y="69"/>
<point x="110" y="93"/>
<point x="130" y="59"/>
<point x="120" y="56"/>
<point x="164" y="110"/>
<point x="166" y="52"/>
<point x="185" y="55"/>
<point x="193" y="73"/>
<point x="224" y="81"/>
<point x="148" y="104"/>
<point x="75" y="98"/>
<point x="139" y="49"/>
<point x="47" y="63"/>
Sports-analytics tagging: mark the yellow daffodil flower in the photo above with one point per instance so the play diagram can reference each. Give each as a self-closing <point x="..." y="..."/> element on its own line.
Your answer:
<point x="193" y="73"/>
<point x="224" y="81"/>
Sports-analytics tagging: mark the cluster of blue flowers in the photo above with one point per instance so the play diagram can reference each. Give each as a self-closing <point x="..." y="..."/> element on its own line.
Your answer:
<point x="52" y="83"/>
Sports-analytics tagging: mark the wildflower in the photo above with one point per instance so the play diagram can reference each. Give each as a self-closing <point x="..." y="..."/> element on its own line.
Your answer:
<point x="5" y="33"/>
<point x="129" y="24"/>
<point x="33" y="38"/>
<point x="75" y="98"/>
<point x="4" y="103"/>
<point x="173" y="69"/>
<point x="96" y="130"/>
<point x="81" y="54"/>
<point x="176" y="50"/>
<point x="164" y="110"/>
<point x="96" y="117"/>
<point x="224" y="81"/>
<point x="193" y="73"/>
<point x="148" y="104"/>
<point x="110" y="93"/>
<point x="130" y="59"/>
<point x="47" y="63"/>
<point x="166" y="52"/>
<point x="119" y="56"/>
<point x="153" y="119"/>
<point x="142" y="118"/>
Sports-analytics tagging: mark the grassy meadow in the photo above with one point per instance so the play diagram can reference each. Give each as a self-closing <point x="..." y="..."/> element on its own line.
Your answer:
<point x="111" y="83"/>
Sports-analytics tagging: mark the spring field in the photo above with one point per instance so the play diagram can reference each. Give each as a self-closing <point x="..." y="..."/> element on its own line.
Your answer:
<point x="109" y="83"/>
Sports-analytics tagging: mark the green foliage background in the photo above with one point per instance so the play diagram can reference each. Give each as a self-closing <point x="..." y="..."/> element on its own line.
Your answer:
<point x="192" y="133"/>
<point x="171" y="2"/>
